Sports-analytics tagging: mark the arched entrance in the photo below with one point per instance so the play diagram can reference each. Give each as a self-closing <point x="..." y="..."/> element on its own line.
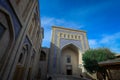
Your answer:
<point x="22" y="64"/>
<point x="69" y="60"/>
<point x="43" y="65"/>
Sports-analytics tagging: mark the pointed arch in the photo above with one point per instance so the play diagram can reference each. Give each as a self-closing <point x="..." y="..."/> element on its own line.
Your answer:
<point x="7" y="39"/>
<point x="23" y="56"/>
<point x="72" y="46"/>
<point x="23" y="59"/>
<point x="69" y="59"/>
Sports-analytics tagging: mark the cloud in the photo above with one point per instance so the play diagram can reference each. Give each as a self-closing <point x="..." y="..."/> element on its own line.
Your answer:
<point x="109" y="41"/>
<point x="110" y="38"/>
<point x="47" y="38"/>
<point x="50" y="21"/>
<point x="47" y="22"/>
<point x="92" y="43"/>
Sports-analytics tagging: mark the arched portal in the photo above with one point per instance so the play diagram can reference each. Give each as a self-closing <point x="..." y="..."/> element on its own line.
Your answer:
<point x="67" y="45"/>
<point x="22" y="63"/>
<point x="70" y="60"/>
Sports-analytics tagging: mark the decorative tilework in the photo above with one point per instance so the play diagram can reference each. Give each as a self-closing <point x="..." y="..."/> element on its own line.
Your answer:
<point x="64" y="42"/>
<point x="60" y="42"/>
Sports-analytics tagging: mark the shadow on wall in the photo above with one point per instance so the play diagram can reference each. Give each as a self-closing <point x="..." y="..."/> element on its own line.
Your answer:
<point x="43" y="62"/>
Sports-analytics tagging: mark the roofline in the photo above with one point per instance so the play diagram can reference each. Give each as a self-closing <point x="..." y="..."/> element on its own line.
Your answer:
<point x="117" y="55"/>
<point x="61" y="27"/>
<point x="44" y="47"/>
<point x="109" y="63"/>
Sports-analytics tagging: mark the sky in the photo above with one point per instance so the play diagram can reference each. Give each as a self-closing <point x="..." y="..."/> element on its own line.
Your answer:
<point x="99" y="18"/>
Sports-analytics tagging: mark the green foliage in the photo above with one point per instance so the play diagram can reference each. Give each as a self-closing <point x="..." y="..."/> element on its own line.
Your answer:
<point x="93" y="56"/>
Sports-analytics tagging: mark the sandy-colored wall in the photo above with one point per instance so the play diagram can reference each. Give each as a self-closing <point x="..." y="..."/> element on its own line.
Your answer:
<point x="74" y="61"/>
<point x="20" y="22"/>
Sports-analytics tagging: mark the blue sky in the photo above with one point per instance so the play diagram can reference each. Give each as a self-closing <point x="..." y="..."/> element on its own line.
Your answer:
<point x="100" y="18"/>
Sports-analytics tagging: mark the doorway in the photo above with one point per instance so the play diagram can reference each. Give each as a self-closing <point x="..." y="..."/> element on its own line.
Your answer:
<point x="69" y="71"/>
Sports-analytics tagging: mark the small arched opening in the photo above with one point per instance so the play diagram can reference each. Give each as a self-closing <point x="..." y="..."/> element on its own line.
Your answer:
<point x="43" y="56"/>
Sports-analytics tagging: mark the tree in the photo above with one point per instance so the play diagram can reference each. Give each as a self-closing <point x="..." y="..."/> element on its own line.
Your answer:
<point x="92" y="56"/>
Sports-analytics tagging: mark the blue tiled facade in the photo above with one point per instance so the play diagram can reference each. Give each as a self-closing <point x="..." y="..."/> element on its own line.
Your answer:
<point x="64" y="42"/>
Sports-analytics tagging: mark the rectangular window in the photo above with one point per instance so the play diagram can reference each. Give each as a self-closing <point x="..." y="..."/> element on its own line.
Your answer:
<point x="71" y="36"/>
<point x="68" y="59"/>
<point x="68" y="36"/>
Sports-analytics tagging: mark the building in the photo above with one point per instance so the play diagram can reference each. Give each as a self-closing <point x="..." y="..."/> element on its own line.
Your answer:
<point x="112" y="67"/>
<point x="20" y="39"/>
<point x="44" y="63"/>
<point x="67" y="47"/>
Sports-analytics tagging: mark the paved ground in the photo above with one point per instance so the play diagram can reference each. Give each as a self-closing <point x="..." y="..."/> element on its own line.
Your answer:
<point x="61" y="77"/>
